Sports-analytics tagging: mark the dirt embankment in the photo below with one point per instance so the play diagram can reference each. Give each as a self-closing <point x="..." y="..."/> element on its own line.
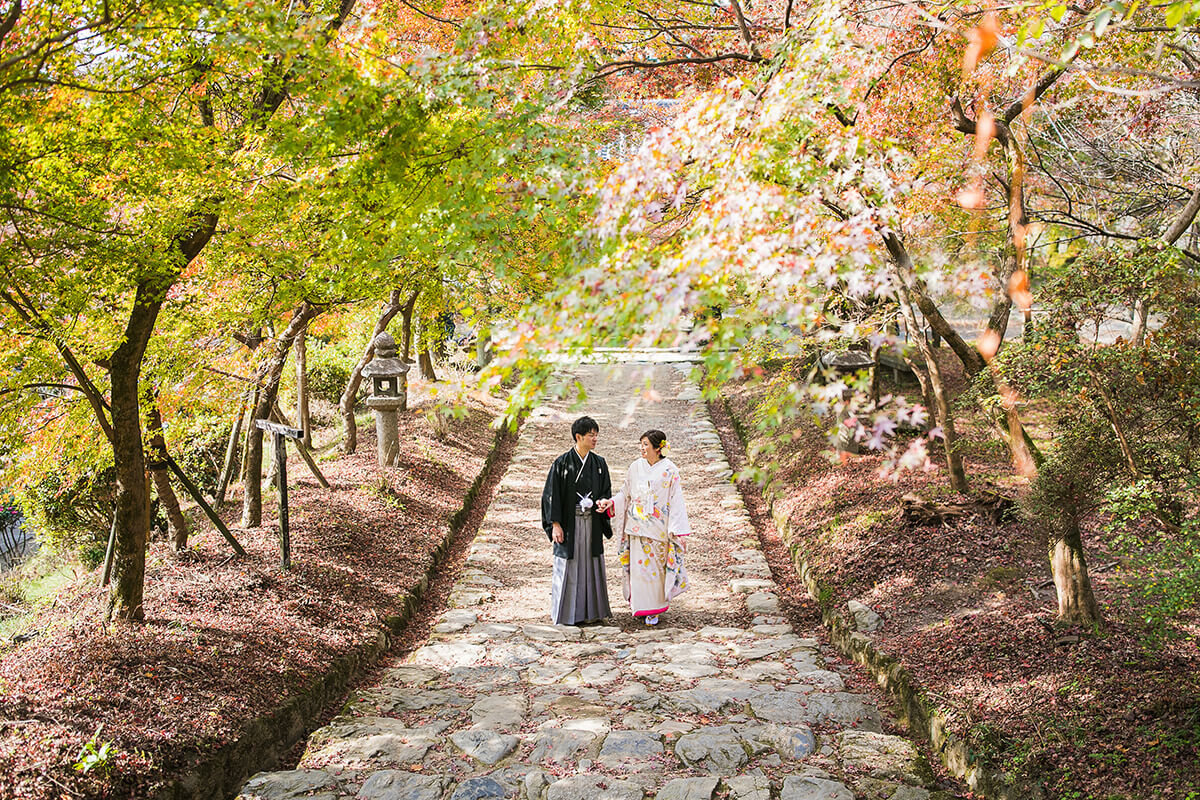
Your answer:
<point x="969" y="611"/>
<point x="236" y="655"/>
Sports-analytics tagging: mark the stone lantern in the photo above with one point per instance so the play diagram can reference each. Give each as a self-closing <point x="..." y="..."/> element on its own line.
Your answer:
<point x="389" y="394"/>
<point x="846" y="362"/>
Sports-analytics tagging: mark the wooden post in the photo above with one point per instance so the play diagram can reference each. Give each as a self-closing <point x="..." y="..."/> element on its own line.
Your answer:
<point x="194" y="491"/>
<point x="277" y="416"/>
<point x="282" y="434"/>
<point x="108" y="553"/>
<point x="285" y="537"/>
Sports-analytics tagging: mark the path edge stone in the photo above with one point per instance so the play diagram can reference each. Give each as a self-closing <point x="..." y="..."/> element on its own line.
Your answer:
<point x="220" y="773"/>
<point x="914" y="706"/>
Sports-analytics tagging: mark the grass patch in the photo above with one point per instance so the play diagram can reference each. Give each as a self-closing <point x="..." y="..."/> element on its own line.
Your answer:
<point x="30" y="587"/>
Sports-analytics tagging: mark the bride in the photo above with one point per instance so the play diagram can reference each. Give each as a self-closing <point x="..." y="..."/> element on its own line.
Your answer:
<point x="650" y="519"/>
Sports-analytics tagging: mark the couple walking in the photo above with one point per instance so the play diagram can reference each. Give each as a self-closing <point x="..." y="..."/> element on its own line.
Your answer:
<point x="648" y="516"/>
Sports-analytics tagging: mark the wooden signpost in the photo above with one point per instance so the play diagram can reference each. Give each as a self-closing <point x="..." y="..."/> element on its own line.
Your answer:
<point x="282" y="434"/>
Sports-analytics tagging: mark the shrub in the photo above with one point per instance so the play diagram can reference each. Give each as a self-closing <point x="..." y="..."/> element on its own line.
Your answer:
<point x="761" y="349"/>
<point x="198" y="447"/>
<point x="1127" y="417"/>
<point x="72" y="517"/>
<point x="329" y="368"/>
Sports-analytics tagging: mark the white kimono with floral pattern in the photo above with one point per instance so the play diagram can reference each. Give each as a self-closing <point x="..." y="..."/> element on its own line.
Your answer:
<point x="650" y="521"/>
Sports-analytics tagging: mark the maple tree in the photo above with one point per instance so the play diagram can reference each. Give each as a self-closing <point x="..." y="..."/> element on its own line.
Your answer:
<point x="185" y="191"/>
<point x="836" y="168"/>
<point x="95" y="225"/>
<point x="143" y="133"/>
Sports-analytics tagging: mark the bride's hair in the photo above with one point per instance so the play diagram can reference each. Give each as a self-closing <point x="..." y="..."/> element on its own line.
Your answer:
<point x="656" y="438"/>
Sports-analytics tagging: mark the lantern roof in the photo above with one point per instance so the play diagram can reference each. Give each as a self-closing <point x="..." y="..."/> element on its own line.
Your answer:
<point x="385" y="367"/>
<point x="848" y="360"/>
<point x="385" y="364"/>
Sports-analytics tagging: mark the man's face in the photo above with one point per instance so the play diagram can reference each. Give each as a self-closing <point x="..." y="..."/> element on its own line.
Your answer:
<point x="587" y="441"/>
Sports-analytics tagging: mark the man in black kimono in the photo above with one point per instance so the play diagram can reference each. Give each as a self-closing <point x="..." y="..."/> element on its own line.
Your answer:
<point x="577" y="481"/>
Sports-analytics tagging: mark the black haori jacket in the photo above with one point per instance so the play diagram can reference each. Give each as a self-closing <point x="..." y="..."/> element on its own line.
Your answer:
<point x="561" y="496"/>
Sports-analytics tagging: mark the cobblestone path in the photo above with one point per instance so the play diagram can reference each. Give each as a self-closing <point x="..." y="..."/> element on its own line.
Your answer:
<point x="722" y="700"/>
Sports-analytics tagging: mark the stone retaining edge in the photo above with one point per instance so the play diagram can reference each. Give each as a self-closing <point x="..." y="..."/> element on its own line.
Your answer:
<point x="916" y="709"/>
<point x="265" y="740"/>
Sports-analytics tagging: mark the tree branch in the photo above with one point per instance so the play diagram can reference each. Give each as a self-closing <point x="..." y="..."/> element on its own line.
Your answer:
<point x="965" y="124"/>
<point x="1036" y="91"/>
<point x="69" y="223"/>
<point x="613" y="67"/>
<point x="86" y="387"/>
<point x="971" y="358"/>
<point x="745" y="29"/>
<point x="424" y="13"/>
<point x="10" y="19"/>
<point x="1184" y="220"/>
<point x="35" y="386"/>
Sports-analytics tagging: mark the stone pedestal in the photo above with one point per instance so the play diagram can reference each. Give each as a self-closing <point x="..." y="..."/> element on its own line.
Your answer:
<point x="845" y="364"/>
<point x="845" y="434"/>
<point x="386" y="431"/>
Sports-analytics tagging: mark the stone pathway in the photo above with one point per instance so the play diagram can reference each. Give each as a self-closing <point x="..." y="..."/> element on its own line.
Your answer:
<point x="722" y="700"/>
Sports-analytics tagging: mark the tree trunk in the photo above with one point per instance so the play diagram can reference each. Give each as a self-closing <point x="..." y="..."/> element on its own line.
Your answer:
<point x="1023" y="459"/>
<point x="445" y="330"/>
<point x="1025" y="455"/>
<point x="1184" y="221"/>
<point x="231" y="450"/>
<point x="407" y="327"/>
<point x="483" y="346"/>
<point x="132" y="513"/>
<point x="303" y="421"/>
<point x="268" y="448"/>
<point x="906" y="275"/>
<point x="1141" y="310"/>
<point x="945" y="416"/>
<point x="425" y="363"/>
<point x="918" y="370"/>
<point x="252" y="403"/>
<point x="1114" y="419"/>
<point x="350" y="395"/>
<point x="252" y="497"/>
<point x="1076" y="602"/>
<point x="177" y="524"/>
<point x="1014" y="272"/>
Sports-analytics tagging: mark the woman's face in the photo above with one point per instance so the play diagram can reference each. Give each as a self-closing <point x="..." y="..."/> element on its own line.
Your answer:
<point x="648" y="451"/>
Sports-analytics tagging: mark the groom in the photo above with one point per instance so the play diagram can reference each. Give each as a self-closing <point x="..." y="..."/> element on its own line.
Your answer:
<point x="577" y="481"/>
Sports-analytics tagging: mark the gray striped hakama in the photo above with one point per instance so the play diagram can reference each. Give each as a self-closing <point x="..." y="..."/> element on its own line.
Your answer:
<point x="579" y="590"/>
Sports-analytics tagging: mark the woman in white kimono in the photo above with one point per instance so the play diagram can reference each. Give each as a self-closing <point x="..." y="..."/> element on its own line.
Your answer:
<point x="650" y="519"/>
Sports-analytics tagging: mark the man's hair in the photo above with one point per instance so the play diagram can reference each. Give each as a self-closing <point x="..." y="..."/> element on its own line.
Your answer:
<point x="583" y="426"/>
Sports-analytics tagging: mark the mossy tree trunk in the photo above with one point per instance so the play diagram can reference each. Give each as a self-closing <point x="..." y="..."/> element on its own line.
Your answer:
<point x="1076" y="601"/>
